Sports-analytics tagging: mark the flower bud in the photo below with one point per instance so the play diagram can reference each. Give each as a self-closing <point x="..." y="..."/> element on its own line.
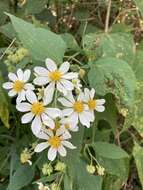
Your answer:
<point x="90" y="169"/>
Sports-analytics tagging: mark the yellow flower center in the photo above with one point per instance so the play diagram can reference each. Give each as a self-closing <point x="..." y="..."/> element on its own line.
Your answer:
<point x="92" y="104"/>
<point x="67" y="126"/>
<point x="55" y="75"/>
<point x="18" y="85"/>
<point x="54" y="141"/>
<point x="37" y="108"/>
<point x="78" y="106"/>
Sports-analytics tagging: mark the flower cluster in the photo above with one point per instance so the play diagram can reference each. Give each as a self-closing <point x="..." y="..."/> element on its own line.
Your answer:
<point x="53" y="88"/>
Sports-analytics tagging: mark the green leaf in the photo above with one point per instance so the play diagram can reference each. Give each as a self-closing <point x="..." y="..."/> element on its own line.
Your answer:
<point x="119" y="45"/>
<point x="111" y="75"/>
<point x="21" y="178"/>
<point x="84" y="180"/>
<point x="36" y="6"/>
<point x="138" y="156"/>
<point x="40" y="42"/>
<point x="108" y="150"/>
<point x="4" y="6"/>
<point x="4" y="109"/>
<point x="70" y="41"/>
<point x="139" y="4"/>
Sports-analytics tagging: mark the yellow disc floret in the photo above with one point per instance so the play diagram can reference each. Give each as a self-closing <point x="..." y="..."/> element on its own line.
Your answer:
<point x="67" y="126"/>
<point x="37" y="108"/>
<point x="55" y="75"/>
<point x="92" y="104"/>
<point x="55" y="141"/>
<point x="18" y="85"/>
<point x="78" y="106"/>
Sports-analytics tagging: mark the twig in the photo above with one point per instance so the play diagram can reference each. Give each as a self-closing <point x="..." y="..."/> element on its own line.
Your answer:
<point x="108" y="16"/>
<point x="7" y="48"/>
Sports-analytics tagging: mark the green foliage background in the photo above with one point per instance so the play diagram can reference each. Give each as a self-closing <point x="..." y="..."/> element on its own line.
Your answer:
<point x="112" y="58"/>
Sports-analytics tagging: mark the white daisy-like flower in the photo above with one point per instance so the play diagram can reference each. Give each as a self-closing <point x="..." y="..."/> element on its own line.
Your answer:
<point x="18" y="84"/>
<point x="68" y="125"/>
<point x="59" y="79"/>
<point x="93" y="104"/>
<point x="76" y="109"/>
<point x="77" y="84"/>
<point x="37" y="112"/>
<point x="56" y="141"/>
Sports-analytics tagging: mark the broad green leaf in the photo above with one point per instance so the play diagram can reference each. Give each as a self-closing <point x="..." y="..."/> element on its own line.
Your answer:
<point x="34" y="7"/>
<point x="111" y="75"/>
<point x="70" y="41"/>
<point x="138" y="156"/>
<point x="112" y="183"/>
<point x="116" y="167"/>
<point x="84" y="180"/>
<point x="4" y="109"/>
<point x="21" y="178"/>
<point x="135" y="114"/>
<point x="8" y="30"/>
<point x="119" y="45"/>
<point x="108" y="150"/>
<point x="40" y="42"/>
<point x="139" y="4"/>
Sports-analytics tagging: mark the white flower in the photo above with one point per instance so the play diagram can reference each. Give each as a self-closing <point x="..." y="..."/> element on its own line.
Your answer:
<point x="37" y="113"/>
<point x="18" y="85"/>
<point x="54" y="77"/>
<point x="92" y="103"/>
<point x="42" y="187"/>
<point x="76" y="109"/>
<point x="68" y="125"/>
<point x="56" y="141"/>
<point x="77" y="84"/>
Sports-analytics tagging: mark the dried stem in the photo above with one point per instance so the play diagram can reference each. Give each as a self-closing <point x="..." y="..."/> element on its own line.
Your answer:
<point x="108" y="16"/>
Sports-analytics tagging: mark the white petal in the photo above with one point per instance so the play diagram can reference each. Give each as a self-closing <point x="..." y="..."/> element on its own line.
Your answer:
<point x="12" y="93"/>
<point x="29" y="86"/>
<point x="23" y="107"/>
<point x="52" y="153"/>
<point x="64" y="67"/>
<point x="100" y="102"/>
<point x="41" y="71"/>
<point x="26" y="75"/>
<point x="80" y="96"/>
<point x="31" y="97"/>
<point x="84" y="120"/>
<point x="74" y="117"/>
<point x="100" y="108"/>
<point x="62" y="151"/>
<point x="36" y="125"/>
<point x="20" y="74"/>
<point x="20" y="97"/>
<point x="65" y="102"/>
<point x="40" y="147"/>
<point x="70" y="97"/>
<point x="67" y="112"/>
<point x="66" y="135"/>
<point x="92" y="93"/>
<point x="61" y="88"/>
<point x="8" y="85"/>
<point x="67" y="84"/>
<point x="42" y="135"/>
<point x="70" y="75"/>
<point x="41" y="80"/>
<point x="92" y="116"/>
<point x="68" y="144"/>
<point x="60" y="131"/>
<point x="51" y="65"/>
<point x="49" y="93"/>
<point x="53" y="112"/>
<point x="26" y="118"/>
<point x="48" y="121"/>
<point x="12" y="77"/>
<point x="86" y="94"/>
